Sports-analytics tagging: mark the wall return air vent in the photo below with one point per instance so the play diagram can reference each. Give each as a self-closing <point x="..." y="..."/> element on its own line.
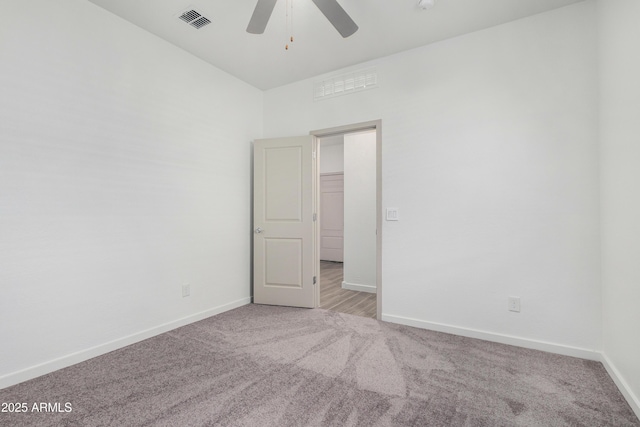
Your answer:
<point x="194" y="18"/>
<point x="345" y="84"/>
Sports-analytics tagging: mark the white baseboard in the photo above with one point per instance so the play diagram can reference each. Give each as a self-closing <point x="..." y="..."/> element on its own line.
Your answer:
<point x="565" y="350"/>
<point x="627" y="392"/>
<point x="618" y="379"/>
<point x="81" y="356"/>
<point x="358" y="287"/>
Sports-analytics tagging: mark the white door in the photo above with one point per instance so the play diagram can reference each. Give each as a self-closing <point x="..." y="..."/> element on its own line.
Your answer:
<point x="283" y="222"/>
<point x="332" y="217"/>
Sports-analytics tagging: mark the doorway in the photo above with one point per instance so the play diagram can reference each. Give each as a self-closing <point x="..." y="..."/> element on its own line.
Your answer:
<point x="286" y="239"/>
<point x="348" y="198"/>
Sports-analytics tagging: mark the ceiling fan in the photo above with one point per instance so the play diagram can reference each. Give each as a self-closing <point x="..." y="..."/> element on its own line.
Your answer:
<point x="330" y="8"/>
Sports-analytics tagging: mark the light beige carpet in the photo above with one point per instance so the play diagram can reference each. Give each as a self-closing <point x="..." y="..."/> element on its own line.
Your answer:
<point x="273" y="366"/>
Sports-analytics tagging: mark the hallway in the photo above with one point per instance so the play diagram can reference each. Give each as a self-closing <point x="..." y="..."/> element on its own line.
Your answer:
<point x="333" y="297"/>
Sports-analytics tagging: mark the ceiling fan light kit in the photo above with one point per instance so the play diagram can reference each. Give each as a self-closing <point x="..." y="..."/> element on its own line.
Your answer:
<point x="426" y="4"/>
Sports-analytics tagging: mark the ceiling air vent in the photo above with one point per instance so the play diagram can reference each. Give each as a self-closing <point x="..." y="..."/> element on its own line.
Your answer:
<point x="194" y="18"/>
<point x="345" y="84"/>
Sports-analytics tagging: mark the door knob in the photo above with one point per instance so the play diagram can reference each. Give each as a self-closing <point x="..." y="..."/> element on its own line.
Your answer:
<point x="259" y="230"/>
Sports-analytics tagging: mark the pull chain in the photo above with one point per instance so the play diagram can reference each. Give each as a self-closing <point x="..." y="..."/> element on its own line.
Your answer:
<point x="291" y="29"/>
<point x="289" y="23"/>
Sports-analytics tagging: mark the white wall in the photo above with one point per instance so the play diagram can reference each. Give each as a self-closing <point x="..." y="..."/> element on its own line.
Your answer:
<point x="360" y="211"/>
<point x="331" y="156"/>
<point x="490" y="152"/>
<point x="124" y="173"/>
<point x="620" y="173"/>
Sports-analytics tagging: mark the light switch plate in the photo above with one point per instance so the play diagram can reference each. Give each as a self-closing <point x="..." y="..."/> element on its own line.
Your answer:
<point x="392" y="214"/>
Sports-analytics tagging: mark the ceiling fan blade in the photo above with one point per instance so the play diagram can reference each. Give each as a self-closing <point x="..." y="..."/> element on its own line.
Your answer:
<point x="260" y="17"/>
<point x="337" y="16"/>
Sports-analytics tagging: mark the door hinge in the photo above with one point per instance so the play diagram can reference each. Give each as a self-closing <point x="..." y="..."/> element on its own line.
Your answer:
<point x="315" y="216"/>
<point x="314" y="280"/>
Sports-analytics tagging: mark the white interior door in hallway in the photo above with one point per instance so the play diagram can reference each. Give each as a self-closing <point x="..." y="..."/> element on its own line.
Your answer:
<point x="332" y="217"/>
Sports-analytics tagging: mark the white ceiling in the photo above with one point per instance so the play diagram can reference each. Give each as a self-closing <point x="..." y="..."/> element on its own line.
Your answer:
<point x="386" y="27"/>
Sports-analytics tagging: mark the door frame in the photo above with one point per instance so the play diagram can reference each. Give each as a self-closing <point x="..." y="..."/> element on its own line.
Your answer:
<point x="340" y="130"/>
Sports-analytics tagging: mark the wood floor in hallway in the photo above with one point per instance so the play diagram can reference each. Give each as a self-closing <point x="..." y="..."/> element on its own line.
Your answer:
<point x="333" y="297"/>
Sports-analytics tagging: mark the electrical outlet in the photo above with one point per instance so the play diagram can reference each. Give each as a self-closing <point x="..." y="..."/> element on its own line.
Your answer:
<point x="186" y="290"/>
<point x="514" y="304"/>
